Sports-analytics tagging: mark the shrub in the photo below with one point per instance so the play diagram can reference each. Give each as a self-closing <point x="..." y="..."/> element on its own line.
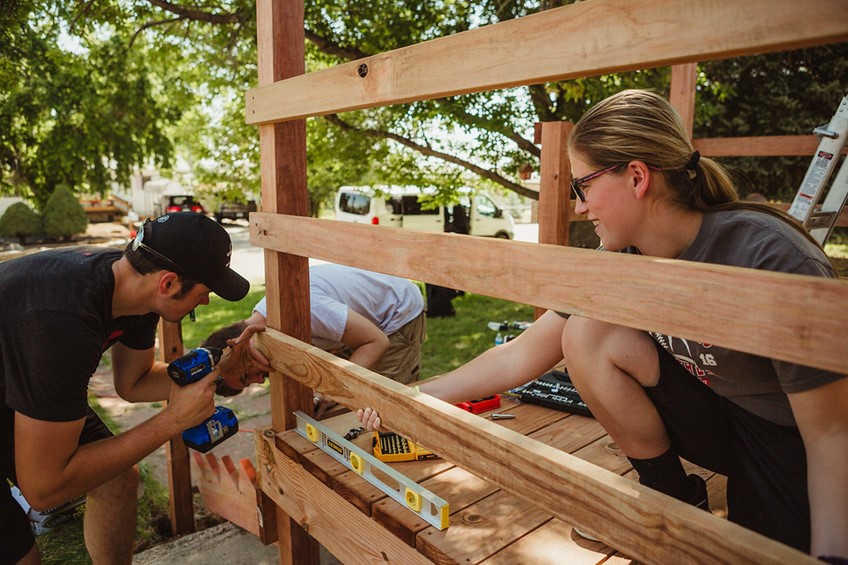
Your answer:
<point x="19" y="221"/>
<point x="64" y="216"/>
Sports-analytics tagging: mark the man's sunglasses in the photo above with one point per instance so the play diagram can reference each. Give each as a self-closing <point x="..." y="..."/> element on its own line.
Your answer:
<point x="138" y="242"/>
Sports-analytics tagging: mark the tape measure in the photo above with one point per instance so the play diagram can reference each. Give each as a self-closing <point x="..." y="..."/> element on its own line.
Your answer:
<point x="415" y="498"/>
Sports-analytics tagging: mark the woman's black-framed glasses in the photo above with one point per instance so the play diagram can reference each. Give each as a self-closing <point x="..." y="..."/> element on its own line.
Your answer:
<point x="138" y="242"/>
<point x="577" y="184"/>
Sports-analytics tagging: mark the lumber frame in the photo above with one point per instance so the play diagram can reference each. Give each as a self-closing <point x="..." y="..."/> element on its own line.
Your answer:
<point x="281" y="52"/>
<point x="180" y="503"/>
<point x="556" y="210"/>
<point x="346" y="532"/>
<point x="579" y="40"/>
<point x="584" y="39"/>
<point x="645" y="524"/>
<point x="682" y="93"/>
<point x="792" y="317"/>
<point x="763" y="146"/>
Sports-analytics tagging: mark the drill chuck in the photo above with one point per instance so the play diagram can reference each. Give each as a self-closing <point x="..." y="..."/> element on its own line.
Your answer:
<point x="194" y="365"/>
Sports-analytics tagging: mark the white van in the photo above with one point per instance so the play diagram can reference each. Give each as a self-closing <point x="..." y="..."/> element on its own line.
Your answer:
<point x="401" y="207"/>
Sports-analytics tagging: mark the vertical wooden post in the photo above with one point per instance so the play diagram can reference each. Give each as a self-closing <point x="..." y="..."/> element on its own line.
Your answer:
<point x="281" y="53"/>
<point x="176" y="453"/>
<point x="555" y="207"/>
<point x="682" y="93"/>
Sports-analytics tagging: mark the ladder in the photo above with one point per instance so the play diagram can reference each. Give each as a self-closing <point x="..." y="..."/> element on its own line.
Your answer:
<point x="820" y="219"/>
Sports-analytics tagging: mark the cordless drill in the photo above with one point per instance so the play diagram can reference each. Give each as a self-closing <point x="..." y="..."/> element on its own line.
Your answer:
<point x="188" y="369"/>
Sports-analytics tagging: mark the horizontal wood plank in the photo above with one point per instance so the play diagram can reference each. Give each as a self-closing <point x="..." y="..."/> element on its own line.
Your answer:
<point x="583" y="39"/>
<point x="790" y="317"/>
<point x="763" y="146"/>
<point x="347" y="533"/>
<point x="481" y="530"/>
<point x="549" y="545"/>
<point x="639" y="521"/>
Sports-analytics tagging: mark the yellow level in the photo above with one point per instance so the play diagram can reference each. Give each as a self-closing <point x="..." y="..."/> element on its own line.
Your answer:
<point x="431" y="508"/>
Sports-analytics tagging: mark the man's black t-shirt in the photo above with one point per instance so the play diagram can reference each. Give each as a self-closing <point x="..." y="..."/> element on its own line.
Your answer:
<point x="55" y="323"/>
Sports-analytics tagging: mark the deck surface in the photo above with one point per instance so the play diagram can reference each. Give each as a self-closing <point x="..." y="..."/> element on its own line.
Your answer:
<point x="487" y="525"/>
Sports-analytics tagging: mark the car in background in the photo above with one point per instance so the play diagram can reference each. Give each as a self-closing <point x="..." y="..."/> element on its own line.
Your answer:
<point x="182" y="203"/>
<point x="234" y="210"/>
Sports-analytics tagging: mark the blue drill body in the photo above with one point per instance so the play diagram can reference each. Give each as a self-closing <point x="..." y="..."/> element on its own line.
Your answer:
<point x="223" y="424"/>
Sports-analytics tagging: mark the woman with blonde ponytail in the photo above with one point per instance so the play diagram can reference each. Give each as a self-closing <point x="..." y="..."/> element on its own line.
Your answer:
<point x="778" y="431"/>
<point x="771" y="427"/>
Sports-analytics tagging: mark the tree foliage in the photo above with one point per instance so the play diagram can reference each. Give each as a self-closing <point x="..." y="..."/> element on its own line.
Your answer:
<point x="163" y="72"/>
<point x="19" y="220"/>
<point x="64" y="216"/>
<point x="82" y="109"/>
<point x="779" y="94"/>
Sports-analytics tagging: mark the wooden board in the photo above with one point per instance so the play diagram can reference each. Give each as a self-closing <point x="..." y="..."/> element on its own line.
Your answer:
<point x="344" y="531"/>
<point x="488" y="525"/>
<point x="547" y="546"/>
<point x="763" y="146"/>
<point x="790" y="317"/>
<point x="583" y="39"/>
<point x="482" y="529"/>
<point x="230" y="491"/>
<point x="640" y="522"/>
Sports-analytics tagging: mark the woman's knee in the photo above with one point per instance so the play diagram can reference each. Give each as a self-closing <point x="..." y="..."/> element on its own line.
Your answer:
<point x="593" y="343"/>
<point x="582" y="336"/>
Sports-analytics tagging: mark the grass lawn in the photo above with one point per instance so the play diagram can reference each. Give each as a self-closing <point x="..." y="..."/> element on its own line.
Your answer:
<point x="456" y="340"/>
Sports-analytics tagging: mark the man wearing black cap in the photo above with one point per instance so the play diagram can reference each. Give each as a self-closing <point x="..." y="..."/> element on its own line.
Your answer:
<point x="61" y="310"/>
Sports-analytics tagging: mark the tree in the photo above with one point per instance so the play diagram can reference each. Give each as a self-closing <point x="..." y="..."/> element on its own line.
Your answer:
<point x="78" y="108"/>
<point x="486" y="138"/>
<point x="779" y="94"/>
<point x="19" y="220"/>
<point x="64" y="216"/>
<point x="198" y="59"/>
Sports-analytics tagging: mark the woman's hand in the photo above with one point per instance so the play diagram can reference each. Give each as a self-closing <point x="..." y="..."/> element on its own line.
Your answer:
<point x="370" y="420"/>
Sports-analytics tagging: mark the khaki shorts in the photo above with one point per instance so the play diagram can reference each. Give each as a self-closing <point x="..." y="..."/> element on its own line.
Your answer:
<point x="402" y="360"/>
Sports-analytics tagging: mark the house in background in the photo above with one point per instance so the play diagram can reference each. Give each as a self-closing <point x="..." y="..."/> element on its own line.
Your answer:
<point x="146" y="193"/>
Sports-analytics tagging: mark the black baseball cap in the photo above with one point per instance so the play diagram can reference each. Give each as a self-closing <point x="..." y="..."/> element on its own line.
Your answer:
<point x="195" y="246"/>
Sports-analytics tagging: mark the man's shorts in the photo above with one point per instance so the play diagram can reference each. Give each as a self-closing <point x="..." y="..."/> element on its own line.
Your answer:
<point x="402" y="360"/>
<point x="765" y="463"/>
<point x="16" y="537"/>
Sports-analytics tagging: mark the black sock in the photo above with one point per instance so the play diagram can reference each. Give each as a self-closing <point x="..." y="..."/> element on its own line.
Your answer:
<point x="664" y="473"/>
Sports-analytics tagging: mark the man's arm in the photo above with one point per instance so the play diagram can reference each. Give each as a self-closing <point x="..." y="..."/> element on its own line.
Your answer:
<point x="822" y="417"/>
<point x="367" y="341"/>
<point x="138" y="376"/>
<point x="53" y="468"/>
<point x="243" y="357"/>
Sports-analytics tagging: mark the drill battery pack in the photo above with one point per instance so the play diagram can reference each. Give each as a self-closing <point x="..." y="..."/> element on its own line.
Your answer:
<point x="482" y="404"/>
<point x="391" y="448"/>
<point x="203" y="437"/>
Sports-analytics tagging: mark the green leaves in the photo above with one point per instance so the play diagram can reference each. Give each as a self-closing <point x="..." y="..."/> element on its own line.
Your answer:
<point x="90" y="91"/>
<point x="77" y="110"/>
<point x="63" y="214"/>
<point x="19" y="220"/>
